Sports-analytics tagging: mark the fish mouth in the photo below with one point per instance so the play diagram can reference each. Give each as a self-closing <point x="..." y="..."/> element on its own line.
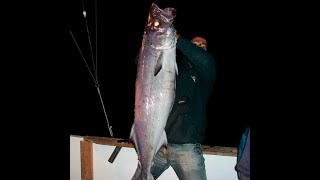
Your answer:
<point x="166" y="14"/>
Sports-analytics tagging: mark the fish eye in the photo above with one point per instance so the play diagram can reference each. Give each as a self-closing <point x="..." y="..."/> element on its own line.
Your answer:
<point x="156" y="23"/>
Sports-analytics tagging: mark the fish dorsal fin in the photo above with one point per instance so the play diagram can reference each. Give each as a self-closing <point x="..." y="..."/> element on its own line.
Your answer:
<point x="133" y="138"/>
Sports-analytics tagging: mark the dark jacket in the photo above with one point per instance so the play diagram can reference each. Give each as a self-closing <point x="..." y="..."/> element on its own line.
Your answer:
<point x="243" y="156"/>
<point x="195" y="80"/>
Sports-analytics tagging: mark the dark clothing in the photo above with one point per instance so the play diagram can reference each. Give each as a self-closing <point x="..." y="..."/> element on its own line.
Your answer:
<point x="194" y="84"/>
<point x="243" y="160"/>
<point x="186" y="124"/>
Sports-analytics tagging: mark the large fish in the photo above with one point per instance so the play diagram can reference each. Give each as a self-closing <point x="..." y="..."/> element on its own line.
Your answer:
<point x="155" y="86"/>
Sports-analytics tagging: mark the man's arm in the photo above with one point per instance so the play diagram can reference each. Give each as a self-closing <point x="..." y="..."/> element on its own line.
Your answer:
<point x="202" y="60"/>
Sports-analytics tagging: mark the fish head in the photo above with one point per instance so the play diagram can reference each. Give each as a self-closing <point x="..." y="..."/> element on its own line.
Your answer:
<point x="159" y="28"/>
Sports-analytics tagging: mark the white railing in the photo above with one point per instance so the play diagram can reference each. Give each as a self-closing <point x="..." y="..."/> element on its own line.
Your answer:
<point x="89" y="160"/>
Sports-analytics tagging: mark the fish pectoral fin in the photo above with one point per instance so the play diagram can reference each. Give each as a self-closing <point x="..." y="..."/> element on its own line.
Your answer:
<point x="158" y="66"/>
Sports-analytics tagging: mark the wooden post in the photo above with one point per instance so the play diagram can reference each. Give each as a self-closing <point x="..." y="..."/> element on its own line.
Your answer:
<point x="86" y="160"/>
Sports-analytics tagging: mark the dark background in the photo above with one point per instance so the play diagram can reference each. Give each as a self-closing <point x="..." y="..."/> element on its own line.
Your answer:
<point x="229" y="28"/>
<point x="262" y="50"/>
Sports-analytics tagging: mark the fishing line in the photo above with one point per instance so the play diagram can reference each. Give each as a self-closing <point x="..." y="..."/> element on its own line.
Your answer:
<point x="89" y="40"/>
<point x="94" y="60"/>
<point x="83" y="58"/>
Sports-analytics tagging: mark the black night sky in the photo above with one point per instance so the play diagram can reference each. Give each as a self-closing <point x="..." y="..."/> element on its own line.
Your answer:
<point x="229" y="28"/>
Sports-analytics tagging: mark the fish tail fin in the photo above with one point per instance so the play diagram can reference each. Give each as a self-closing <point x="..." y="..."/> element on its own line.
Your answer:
<point x="150" y="177"/>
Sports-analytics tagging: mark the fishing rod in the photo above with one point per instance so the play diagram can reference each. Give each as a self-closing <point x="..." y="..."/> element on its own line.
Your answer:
<point x="95" y="76"/>
<point x="94" y="60"/>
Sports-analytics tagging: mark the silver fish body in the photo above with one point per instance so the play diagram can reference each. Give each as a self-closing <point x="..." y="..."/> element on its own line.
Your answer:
<point x="155" y="86"/>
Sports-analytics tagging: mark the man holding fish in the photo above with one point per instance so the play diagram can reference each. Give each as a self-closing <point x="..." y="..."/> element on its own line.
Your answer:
<point x="170" y="111"/>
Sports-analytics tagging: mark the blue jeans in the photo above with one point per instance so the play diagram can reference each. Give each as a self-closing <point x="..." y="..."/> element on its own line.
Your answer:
<point x="186" y="160"/>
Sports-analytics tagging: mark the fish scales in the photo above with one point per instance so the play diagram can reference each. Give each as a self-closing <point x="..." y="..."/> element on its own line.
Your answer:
<point x="155" y="86"/>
